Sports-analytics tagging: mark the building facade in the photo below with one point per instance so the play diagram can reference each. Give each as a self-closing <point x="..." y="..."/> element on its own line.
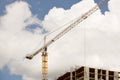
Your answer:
<point x="87" y="73"/>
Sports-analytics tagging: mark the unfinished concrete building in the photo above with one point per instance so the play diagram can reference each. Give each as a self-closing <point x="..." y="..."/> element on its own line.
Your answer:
<point x="87" y="73"/>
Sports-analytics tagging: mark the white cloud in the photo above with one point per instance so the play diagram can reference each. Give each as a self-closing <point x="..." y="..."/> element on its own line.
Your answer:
<point x="15" y="40"/>
<point x="99" y="49"/>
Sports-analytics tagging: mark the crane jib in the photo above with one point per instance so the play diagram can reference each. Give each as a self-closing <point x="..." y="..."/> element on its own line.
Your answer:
<point x="71" y="26"/>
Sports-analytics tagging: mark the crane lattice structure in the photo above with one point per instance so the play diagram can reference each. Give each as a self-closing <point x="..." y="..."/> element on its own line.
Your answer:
<point x="43" y="49"/>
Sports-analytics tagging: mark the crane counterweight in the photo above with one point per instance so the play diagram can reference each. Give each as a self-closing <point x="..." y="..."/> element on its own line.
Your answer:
<point x="29" y="57"/>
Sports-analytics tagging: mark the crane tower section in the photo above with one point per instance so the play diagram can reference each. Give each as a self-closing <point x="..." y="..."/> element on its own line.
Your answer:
<point x="44" y="65"/>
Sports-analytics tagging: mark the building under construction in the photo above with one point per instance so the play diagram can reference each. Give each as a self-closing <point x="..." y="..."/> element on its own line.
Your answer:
<point x="87" y="73"/>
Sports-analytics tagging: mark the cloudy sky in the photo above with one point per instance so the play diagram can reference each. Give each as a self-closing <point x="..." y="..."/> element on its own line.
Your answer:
<point x="95" y="42"/>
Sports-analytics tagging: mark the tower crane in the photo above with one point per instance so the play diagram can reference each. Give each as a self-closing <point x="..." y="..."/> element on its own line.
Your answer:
<point x="43" y="49"/>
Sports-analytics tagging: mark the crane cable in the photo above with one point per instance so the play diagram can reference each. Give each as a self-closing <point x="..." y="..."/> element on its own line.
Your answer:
<point x="84" y="46"/>
<point x="63" y="26"/>
<point x="49" y="33"/>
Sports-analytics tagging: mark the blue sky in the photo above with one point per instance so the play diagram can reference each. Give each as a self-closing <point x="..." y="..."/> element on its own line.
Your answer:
<point x="5" y="75"/>
<point x="42" y="7"/>
<point x="39" y="8"/>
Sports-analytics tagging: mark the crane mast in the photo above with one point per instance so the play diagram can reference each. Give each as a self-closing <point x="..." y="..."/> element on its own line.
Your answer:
<point x="71" y="26"/>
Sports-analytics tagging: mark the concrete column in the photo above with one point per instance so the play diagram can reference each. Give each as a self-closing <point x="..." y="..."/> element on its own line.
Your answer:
<point x="96" y="74"/>
<point x="107" y="75"/>
<point x="86" y="73"/>
<point x="116" y="75"/>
